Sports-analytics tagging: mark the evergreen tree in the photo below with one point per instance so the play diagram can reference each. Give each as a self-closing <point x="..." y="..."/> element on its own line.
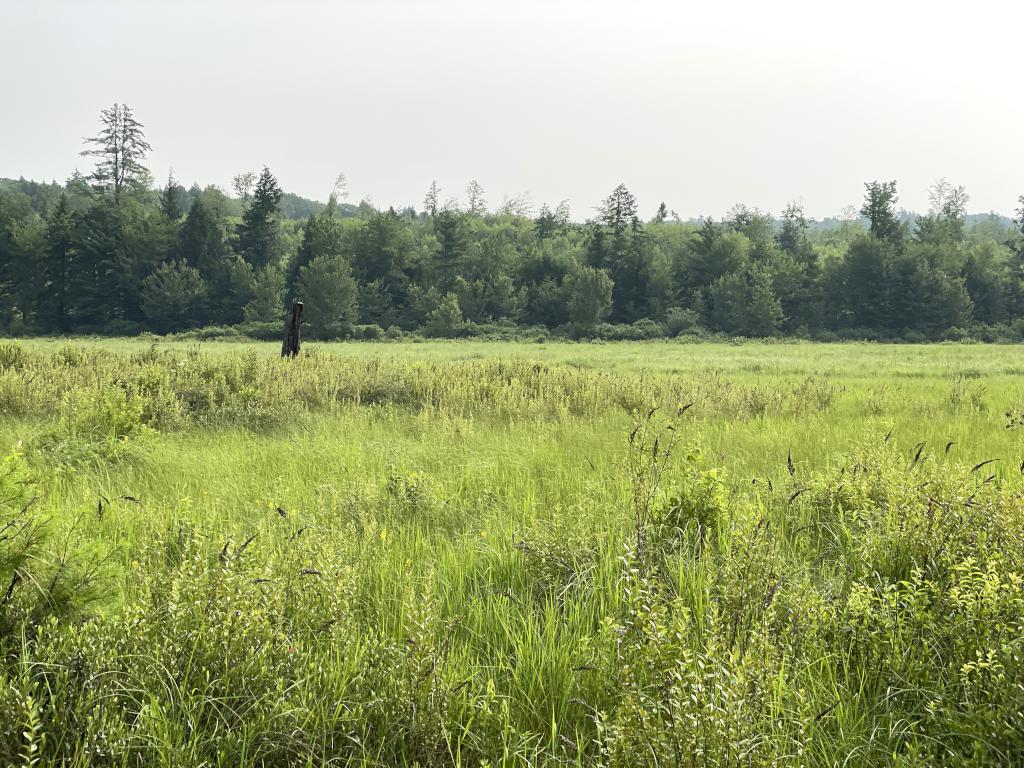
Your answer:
<point x="169" y="204"/>
<point x="322" y="235"/>
<point x="860" y="295"/>
<point x="259" y="236"/>
<point x="743" y="303"/>
<point x="268" y="296"/>
<point x="120" y="147"/>
<point x="55" y="273"/>
<point x="327" y="289"/>
<point x="619" y="244"/>
<point x="432" y="200"/>
<point x="95" y="288"/>
<point x="797" y="272"/>
<point x="382" y="267"/>
<point x="445" y="320"/>
<point x="986" y="280"/>
<point x="202" y="240"/>
<point x="22" y="245"/>
<point x="453" y="244"/>
<point x="713" y="254"/>
<point x="172" y="296"/>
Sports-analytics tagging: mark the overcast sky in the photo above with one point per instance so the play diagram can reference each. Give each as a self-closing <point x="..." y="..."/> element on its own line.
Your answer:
<point x="701" y="105"/>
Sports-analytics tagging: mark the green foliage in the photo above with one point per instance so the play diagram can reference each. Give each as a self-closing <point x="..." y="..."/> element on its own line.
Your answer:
<point x="259" y="237"/>
<point x="590" y="296"/>
<point x="744" y="304"/>
<point x="76" y="261"/>
<point x="682" y="321"/>
<point x="328" y="291"/>
<point x="44" y="574"/>
<point x="880" y="210"/>
<point x="267" y="300"/>
<point x="446" y="318"/>
<point x="171" y="294"/>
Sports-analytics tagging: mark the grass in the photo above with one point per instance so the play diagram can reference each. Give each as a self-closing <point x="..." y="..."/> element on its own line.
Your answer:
<point x="474" y="553"/>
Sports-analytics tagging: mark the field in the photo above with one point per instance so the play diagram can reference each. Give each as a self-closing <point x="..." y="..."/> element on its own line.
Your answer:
<point x="511" y="554"/>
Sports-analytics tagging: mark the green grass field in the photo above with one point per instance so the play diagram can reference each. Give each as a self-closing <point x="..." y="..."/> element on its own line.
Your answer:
<point x="511" y="554"/>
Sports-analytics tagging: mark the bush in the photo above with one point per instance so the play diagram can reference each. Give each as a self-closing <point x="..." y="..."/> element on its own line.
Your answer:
<point x="682" y="321"/>
<point x="860" y="334"/>
<point x="372" y="332"/>
<point x="914" y="337"/>
<point x="211" y="333"/>
<point x="641" y="330"/>
<point x="12" y="356"/>
<point x="261" y="331"/>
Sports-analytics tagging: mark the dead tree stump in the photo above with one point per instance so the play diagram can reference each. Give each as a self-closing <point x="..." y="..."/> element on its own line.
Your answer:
<point x="290" y="348"/>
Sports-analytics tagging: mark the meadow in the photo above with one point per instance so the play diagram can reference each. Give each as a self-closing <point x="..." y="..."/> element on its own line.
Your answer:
<point x="476" y="553"/>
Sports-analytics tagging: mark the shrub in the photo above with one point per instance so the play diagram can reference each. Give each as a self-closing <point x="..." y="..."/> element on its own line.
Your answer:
<point x="95" y="425"/>
<point x="262" y="331"/>
<point x="682" y="321"/>
<point x="445" y="320"/>
<point x="12" y="356"/>
<point x="370" y="332"/>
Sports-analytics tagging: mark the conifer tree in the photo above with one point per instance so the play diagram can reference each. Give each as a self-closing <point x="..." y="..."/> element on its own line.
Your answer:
<point x="259" y="237"/>
<point x="120" y="147"/>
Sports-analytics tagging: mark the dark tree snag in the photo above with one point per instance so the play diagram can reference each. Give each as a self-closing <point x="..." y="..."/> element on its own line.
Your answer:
<point x="290" y="348"/>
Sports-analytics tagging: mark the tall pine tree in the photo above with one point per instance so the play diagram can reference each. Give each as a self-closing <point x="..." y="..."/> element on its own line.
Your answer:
<point x="259" y="235"/>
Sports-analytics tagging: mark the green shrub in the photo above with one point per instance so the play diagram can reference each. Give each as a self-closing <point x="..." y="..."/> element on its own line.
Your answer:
<point x="367" y="332"/>
<point x="12" y="356"/>
<point x="680" y="322"/>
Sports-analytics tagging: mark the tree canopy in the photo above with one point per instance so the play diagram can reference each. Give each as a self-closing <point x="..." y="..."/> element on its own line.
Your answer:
<point x="110" y="253"/>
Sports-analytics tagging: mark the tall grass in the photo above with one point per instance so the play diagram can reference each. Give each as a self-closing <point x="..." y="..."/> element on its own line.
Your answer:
<point x="227" y="559"/>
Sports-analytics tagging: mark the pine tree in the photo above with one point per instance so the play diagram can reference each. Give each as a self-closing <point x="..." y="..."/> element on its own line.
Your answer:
<point x="619" y="245"/>
<point x="97" y="290"/>
<point x="169" y="199"/>
<point x="432" y="199"/>
<point x="453" y="242"/>
<point x="330" y="296"/>
<point x="322" y="235"/>
<point x="259" y="237"/>
<point x="121" y="147"/>
<point x="618" y="212"/>
<point x="171" y="296"/>
<point x="202" y="240"/>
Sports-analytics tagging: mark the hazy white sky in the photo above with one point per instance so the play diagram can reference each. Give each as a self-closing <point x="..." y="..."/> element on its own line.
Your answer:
<point x="701" y="105"/>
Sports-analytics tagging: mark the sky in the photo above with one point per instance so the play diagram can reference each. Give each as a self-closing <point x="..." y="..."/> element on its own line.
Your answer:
<point x="700" y="105"/>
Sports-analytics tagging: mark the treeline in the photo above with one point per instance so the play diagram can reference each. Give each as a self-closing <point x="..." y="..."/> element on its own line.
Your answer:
<point x="111" y="253"/>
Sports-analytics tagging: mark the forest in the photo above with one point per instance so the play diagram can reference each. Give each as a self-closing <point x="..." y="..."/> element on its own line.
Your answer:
<point x="111" y="252"/>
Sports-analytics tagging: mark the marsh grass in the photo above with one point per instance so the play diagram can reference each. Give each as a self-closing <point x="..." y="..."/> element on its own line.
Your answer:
<point x="400" y="556"/>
